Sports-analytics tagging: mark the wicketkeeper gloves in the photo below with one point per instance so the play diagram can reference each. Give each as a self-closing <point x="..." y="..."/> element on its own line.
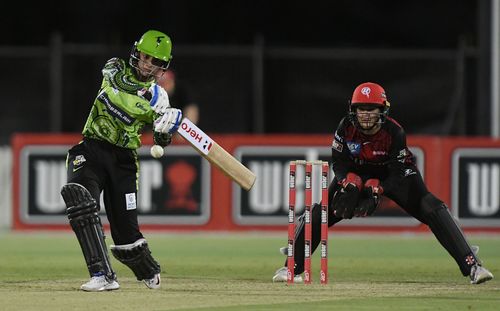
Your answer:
<point x="346" y="199"/>
<point x="354" y="199"/>
<point x="370" y="198"/>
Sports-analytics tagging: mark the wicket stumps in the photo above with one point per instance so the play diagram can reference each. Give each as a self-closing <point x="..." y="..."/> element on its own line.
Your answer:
<point x="307" y="217"/>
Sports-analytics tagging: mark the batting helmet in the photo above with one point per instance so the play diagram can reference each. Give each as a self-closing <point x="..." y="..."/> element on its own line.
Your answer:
<point x="155" y="44"/>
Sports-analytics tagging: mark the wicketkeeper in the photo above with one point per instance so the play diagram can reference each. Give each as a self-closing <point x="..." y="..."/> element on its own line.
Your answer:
<point x="106" y="161"/>
<point x="370" y="159"/>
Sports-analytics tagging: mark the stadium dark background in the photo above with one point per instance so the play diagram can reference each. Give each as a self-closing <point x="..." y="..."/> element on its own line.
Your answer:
<point x="345" y="23"/>
<point x="431" y="56"/>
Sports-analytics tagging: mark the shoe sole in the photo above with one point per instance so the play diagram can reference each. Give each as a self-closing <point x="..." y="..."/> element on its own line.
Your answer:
<point x="154" y="286"/>
<point x="101" y="289"/>
<point x="480" y="281"/>
<point x="280" y="278"/>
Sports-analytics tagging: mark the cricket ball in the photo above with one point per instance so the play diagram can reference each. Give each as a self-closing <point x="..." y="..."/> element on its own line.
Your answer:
<point x="157" y="151"/>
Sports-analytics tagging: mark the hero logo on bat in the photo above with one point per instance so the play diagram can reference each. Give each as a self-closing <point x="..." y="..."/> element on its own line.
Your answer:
<point x="195" y="136"/>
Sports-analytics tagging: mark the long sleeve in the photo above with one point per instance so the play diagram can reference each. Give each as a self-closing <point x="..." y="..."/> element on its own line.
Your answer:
<point x="342" y="162"/>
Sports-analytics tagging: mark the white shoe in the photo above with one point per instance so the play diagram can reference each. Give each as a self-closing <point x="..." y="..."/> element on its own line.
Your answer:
<point x="479" y="275"/>
<point x="281" y="276"/>
<point x="99" y="284"/>
<point x="153" y="283"/>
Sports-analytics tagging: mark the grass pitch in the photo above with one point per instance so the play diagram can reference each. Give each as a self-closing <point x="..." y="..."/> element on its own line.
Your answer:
<point x="233" y="272"/>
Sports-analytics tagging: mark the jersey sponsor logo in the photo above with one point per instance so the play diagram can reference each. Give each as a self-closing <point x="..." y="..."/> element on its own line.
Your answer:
<point x="337" y="146"/>
<point x="337" y="137"/>
<point x="379" y="153"/>
<point x="354" y="147"/>
<point x="140" y="106"/>
<point x="114" y="111"/>
<point x="130" y="201"/>
<point x="409" y="172"/>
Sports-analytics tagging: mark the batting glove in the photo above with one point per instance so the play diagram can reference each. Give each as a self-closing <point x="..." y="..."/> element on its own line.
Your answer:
<point x="169" y="122"/>
<point x="159" y="99"/>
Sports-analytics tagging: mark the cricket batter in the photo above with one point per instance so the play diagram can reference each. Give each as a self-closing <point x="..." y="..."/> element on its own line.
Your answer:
<point x="370" y="158"/>
<point x="106" y="161"/>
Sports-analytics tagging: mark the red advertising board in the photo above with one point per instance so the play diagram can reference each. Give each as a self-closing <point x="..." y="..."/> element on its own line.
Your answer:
<point x="182" y="192"/>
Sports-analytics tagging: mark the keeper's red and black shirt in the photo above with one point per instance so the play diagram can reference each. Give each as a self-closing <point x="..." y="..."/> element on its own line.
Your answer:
<point x="383" y="155"/>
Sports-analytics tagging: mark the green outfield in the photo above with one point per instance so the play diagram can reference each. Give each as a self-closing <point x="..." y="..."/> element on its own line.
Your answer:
<point x="233" y="272"/>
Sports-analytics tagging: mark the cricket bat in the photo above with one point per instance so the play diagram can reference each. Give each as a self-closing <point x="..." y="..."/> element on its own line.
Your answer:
<point x="216" y="155"/>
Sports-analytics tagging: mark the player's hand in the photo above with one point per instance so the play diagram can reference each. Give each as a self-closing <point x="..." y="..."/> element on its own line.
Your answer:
<point x="374" y="186"/>
<point x="169" y="122"/>
<point x="159" y="99"/>
<point x="346" y="198"/>
<point x="162" y="139"/>
<point x="370" y="198"/>
<point x="366" y="206"/>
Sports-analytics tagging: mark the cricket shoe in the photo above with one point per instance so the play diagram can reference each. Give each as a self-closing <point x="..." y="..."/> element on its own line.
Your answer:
<point x="281" y="276"/>
<point x="99" y="283"/>
<point x="153" y="283"/>
<point x="479" y="275"/>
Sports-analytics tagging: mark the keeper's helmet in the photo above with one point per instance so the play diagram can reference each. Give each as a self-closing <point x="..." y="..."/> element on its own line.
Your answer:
<point x="369" y="94"/>
<point x="155" y="44"/>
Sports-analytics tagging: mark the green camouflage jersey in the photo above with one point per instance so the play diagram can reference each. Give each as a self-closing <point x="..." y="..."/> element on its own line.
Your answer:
<point x="119" y="111"/>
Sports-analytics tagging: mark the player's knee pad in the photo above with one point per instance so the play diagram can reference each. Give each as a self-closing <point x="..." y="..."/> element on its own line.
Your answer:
<point x="138" y="258"/>
<point x="437" y="216"/>
<point x="430" y="203"/>
<point x="448" y="232"/>
<point x="81" y="209"/>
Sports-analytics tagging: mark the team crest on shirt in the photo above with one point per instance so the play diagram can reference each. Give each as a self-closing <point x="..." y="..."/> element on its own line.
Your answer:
<point x="354" y="147"/>
<point x="79" y="159"/>
<point x="78" y="162"/>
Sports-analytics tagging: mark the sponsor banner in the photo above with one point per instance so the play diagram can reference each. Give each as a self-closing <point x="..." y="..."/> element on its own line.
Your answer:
<point x="476" y="186"/>
<point x="267" y="202"/>
<point x="174" y="189"/>
<point x="180" y="191"/>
